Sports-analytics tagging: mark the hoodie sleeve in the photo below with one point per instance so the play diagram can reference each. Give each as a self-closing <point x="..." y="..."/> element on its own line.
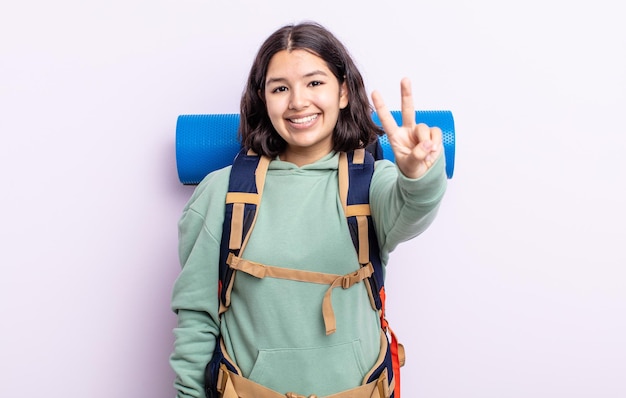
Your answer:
<point x="195" y="293"/>
<point x="403" y="208"/>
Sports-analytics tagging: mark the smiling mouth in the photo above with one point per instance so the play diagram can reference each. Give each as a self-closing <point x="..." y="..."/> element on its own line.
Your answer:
<point x="304" y="120"/>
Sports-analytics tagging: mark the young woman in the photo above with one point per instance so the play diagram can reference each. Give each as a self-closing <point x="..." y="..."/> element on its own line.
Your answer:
<point x="303" y="108"/>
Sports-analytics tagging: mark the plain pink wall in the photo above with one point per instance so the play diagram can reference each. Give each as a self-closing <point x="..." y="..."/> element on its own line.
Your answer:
<point x="517" y="290"/>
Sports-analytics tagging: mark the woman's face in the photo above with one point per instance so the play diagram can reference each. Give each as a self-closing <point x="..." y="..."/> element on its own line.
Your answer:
<point x="303" y="100"/>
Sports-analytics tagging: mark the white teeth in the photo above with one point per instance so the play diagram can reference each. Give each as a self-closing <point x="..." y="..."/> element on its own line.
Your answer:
<point x="304" y="119"/>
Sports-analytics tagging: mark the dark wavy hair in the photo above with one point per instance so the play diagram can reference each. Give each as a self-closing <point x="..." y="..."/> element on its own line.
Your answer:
<point x="354" y="129"/>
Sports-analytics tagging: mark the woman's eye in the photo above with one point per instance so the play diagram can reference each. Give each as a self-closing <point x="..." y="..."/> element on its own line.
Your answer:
<point x="279" y="89"/>
<point x="315" y="83"/>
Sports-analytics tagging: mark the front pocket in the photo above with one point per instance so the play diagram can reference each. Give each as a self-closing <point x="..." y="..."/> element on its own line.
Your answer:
<point x="318" y="370"/>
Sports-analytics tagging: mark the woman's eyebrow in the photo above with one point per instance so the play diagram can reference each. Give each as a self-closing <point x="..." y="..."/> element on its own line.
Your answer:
<point x="315" y="73"/>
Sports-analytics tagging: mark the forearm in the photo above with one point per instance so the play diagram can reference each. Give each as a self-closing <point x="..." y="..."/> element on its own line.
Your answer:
<point x="195" y="340"/>
<point x="402" y="207"/>
<point x="195" y="301"/>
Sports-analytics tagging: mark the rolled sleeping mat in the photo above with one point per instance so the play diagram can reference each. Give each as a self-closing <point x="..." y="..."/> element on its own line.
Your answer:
<point x="208" y="142"/>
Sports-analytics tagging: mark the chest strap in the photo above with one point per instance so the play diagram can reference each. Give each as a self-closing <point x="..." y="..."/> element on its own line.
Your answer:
<point x="333" y="280"/>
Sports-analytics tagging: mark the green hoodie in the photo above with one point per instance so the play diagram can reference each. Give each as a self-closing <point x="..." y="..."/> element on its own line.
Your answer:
<point x="274" y="328"/>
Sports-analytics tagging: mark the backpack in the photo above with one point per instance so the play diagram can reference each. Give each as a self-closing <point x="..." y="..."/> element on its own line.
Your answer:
<point x="245" y="189"/>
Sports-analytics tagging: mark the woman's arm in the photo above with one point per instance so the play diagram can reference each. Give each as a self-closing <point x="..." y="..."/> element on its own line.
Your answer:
<point x="195" y="293"/>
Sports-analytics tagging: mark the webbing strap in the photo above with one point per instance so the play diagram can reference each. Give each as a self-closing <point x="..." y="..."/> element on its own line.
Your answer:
<point x="260" y="174"/>
<point x="359" y="211"/>
<point x="364" y="247"/>
<point x="232" y="385"/>
<point x="397" y="360"/>
<point x="397" y="349"/>
<point x="239" y="201"/>
<point x="343" y="176"/>
<point x="345" y="282"/>
<point x="243" y="197"/>
<point x="236" y="226"/>
<point x="359" y="156"/>
<point x="261" y="271"/>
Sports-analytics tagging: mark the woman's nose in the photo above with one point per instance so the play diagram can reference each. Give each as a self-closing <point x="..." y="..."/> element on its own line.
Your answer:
<point x="298" y="99"/>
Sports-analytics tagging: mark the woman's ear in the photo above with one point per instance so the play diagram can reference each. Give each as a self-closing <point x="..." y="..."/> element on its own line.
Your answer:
<point x="344" y="96"/>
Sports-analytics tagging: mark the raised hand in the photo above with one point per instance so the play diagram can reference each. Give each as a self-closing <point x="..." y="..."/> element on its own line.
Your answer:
<point x="415" y="146"/>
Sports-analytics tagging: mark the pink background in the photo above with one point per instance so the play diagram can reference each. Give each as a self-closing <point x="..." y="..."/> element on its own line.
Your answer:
<point x="517" y="290"/>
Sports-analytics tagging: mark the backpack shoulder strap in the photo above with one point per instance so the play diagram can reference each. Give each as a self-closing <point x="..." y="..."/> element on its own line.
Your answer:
<point x="355" y="175"/>
<point x="356" y="169"/>
<point x="245" y="189"/>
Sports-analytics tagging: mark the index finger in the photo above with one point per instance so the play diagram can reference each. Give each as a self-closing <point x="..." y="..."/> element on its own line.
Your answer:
<point x="408" y="110"/>
<point x="384" y="115"/>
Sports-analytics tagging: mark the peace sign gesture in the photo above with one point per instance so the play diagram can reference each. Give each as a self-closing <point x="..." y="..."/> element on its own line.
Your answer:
<point x="415" y="146"/>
